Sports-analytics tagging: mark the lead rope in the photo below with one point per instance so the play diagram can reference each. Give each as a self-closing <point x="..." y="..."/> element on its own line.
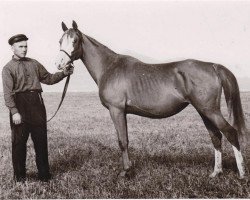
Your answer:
<point x="66" y="83"/>
<point x="65" y="86"/>
<point x="62" y="98"/>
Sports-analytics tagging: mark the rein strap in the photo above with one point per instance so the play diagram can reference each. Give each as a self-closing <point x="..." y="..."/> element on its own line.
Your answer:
<point x="65" y="87"/>
<point x="62" y="98"/>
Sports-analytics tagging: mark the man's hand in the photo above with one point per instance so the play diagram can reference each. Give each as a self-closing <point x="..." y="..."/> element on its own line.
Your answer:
<point x="68" y="70"/>
<point x="17" y="119"/>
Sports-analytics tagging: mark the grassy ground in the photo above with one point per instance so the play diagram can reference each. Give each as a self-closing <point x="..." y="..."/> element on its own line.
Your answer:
<point x="172" y="157"/>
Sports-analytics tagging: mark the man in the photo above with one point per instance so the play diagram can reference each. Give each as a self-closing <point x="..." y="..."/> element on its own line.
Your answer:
<point x="22" y="95"/>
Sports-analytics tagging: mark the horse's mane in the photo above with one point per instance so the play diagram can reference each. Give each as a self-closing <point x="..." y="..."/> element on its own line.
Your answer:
<point x="97" y="44"/>
<point x="93" y="41"/>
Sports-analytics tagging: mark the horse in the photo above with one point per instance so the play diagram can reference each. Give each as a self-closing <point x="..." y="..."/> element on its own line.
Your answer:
<point x="129" y="86"/>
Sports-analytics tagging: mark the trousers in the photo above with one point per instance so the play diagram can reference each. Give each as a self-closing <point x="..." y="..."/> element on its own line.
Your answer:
<point x="32" y="110"/>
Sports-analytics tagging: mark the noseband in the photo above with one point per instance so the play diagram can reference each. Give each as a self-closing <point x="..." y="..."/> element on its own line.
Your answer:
<point x="70" y="57"/>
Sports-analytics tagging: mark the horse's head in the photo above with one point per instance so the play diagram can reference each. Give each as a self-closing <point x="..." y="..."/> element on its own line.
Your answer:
<point x="70" y="46"/>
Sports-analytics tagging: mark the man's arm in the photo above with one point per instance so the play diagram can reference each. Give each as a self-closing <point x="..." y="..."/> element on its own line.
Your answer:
<point x="9" y="95"/>
<point x="50" y="79"/>
<point x="8" y="90"/>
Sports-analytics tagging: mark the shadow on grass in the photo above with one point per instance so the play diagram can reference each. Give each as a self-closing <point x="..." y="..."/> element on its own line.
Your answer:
<point x="64" y="163"/>
<point x="184" y="160"/>
<point x="95" y="154"/>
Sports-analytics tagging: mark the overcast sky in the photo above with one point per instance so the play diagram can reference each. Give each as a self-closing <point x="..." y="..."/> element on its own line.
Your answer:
<point x="152" y="31"/>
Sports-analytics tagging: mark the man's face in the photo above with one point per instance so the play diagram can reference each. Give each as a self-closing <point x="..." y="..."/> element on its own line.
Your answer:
<point x="20" y="49"/>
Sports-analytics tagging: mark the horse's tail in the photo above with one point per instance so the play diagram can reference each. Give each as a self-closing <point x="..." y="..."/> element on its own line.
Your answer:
<point x="232" y="96"/>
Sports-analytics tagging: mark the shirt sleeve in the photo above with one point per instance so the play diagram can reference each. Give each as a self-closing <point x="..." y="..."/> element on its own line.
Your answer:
<point x="8" y="83"/>
<point x="48" y="78"/>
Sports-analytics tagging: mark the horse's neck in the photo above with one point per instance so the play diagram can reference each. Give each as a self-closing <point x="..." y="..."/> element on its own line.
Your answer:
<point x="97" y="58"/>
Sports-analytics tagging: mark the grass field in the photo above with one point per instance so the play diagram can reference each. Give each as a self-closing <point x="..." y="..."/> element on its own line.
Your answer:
<point x="172" y="157"/>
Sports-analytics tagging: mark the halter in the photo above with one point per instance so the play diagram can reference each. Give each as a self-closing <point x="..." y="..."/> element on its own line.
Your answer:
<point x="79" y="34"/>
<point x="70" y="57"/>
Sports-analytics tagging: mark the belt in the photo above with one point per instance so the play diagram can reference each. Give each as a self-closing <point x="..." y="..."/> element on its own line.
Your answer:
<point x="29" y="91"/>
<point x="34" y="91"/>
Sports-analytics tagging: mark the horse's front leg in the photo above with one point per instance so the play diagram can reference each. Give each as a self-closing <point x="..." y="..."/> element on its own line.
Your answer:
<point x="119" y="119"/>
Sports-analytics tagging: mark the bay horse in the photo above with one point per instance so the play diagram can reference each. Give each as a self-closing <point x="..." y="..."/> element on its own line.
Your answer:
<point x="129" y="86"/>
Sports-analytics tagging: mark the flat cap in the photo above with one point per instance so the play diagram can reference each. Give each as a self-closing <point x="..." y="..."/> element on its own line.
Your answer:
<point x="17" y="38"/>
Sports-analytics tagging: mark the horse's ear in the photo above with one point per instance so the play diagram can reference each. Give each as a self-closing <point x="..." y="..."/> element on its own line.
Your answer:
<point x="64" y="27"/>
<point x="74" y="25"/>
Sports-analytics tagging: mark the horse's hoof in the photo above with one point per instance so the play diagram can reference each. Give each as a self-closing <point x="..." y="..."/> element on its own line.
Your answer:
<point x="122" y="174"/>
<point x="242" y="177"/>
<point x="126" y="173"/>
<point x="215" y="174"/>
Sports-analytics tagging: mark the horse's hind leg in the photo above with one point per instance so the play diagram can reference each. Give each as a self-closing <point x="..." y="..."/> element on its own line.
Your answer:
<point x="119" y="119"/>
<point x="231" y="134"/>
<point x="216" y="136"/>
